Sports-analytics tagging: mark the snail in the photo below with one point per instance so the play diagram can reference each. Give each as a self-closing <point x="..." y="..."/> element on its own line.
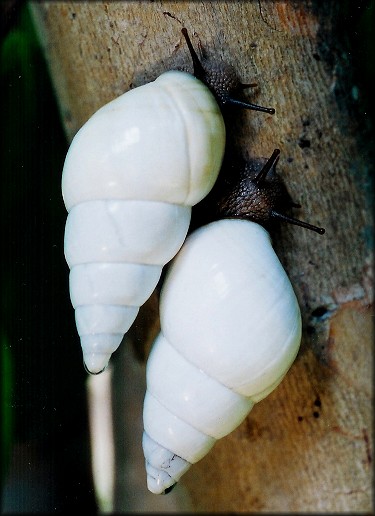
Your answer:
<point x="131" y="175"/>
<point x="230" y="330"/>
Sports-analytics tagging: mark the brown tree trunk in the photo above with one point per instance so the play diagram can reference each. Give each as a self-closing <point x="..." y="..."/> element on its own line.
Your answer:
<point x="308" y="446"/>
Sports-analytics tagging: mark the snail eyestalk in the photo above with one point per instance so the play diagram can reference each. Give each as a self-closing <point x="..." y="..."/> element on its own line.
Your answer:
<point x="296" y="222"/>
<point x="243" y="86"/>
<point x="271" y="162"/>
<point x="199" y="71"/>
<point x="249" y="105"/>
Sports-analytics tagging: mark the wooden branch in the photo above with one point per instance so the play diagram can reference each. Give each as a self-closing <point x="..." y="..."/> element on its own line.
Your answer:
<point x="308" y="446"/>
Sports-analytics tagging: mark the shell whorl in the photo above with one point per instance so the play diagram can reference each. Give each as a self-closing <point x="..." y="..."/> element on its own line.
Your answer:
<point x="164" y="468"/>
<point x="130" y="177"/>
<point x="230" y="330"/>
<point x="163" y="141"/>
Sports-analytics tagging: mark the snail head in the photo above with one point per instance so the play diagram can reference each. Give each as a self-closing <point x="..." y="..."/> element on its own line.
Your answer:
<point x="222" y="80"/>
<point x="261" y="198"/>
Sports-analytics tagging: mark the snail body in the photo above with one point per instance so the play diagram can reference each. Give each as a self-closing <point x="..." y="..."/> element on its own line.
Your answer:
<point x="230" y="330"/>
<point x="130" y="177"/>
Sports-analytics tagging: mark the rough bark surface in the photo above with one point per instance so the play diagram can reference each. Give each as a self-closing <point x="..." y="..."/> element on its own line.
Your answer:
<point x="308" y="446"/>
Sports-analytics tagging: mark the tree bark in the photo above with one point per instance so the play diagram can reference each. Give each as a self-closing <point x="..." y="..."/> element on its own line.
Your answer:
<point x="308" y="446"/>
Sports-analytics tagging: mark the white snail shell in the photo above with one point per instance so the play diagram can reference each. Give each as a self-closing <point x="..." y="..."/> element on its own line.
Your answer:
<point x="230" y="330"/>
<point x="130" y="177"/>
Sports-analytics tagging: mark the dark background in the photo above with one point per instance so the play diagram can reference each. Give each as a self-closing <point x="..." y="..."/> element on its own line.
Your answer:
<point x="45" y="445"/>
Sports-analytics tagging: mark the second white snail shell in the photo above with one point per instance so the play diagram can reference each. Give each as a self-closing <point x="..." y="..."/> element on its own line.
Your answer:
<point x="230" y="330"/>
<point x="130" y="177"/>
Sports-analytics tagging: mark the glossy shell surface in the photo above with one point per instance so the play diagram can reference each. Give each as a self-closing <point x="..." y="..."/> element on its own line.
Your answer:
<point x="230" y="330"/>
<point x="130" y="177"/>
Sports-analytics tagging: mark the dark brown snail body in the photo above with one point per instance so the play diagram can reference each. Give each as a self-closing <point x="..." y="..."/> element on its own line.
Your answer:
<point x="261" y="197"/>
